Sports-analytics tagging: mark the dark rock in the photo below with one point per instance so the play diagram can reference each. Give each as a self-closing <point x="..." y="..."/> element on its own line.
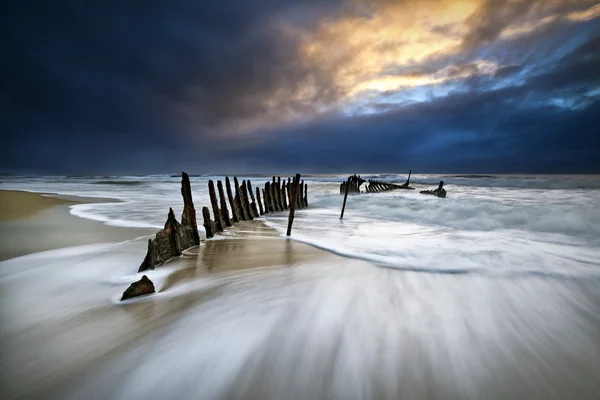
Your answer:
<point x="139" y="288"/>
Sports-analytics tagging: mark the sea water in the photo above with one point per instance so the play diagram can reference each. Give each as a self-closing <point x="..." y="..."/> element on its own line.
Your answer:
<point x="488" y="224"/>
<point x="492" y="292"/>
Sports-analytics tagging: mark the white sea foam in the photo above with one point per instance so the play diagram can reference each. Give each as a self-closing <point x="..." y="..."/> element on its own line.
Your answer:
<point x="542" y="224"/>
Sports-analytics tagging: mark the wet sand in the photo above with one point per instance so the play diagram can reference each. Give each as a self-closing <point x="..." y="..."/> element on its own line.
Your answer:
<point x="32" y="222"/>
<point x="45" y="354"/>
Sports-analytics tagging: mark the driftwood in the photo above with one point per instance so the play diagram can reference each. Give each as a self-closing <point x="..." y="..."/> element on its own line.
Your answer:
<point x="439" y="192"/>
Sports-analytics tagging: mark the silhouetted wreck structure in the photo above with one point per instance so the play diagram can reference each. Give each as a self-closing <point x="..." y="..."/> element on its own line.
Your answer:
<point x="354" y="183"/>
<point x="439" y="192"/>
<point x="176" y="237"/>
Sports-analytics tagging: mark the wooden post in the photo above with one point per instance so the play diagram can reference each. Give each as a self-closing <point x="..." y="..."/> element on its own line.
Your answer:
<point x="293" y="204"/>
<point x="215" y="207"/>
<point x="267" y="196"/>
<point x="279" y="200"/>
<point x="306" y="195"/>
<point x="264" y="196"/>
<point x="345" y="197"/>
<point x="283" y="195"/>
<point x="223" y="203"/>
<point x="234" y="210"/>
<point x="275" y="194"/>
<point x="299" y="197"/>
<point x="188" y="218"/>
<point x="208" y="226"/>
<point x="272" y="195"/>
<point x="260" y="207"/>
<point x="408" y="180"/>
<point x="245" y="201"/>
<point x="238" y="199"/>
<point x="253" y="208"/>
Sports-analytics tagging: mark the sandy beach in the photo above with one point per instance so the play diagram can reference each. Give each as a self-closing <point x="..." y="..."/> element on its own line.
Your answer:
<point x="32" y="222"/>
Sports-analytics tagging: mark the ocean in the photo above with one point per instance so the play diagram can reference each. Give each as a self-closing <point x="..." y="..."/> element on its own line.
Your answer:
<point x="547" y="225"/>
<point x="492" y="292"/>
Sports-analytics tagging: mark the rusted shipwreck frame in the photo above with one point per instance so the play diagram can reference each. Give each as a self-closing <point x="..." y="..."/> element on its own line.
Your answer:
<point x="354" y="182"/>
<point x="279" y="195"/>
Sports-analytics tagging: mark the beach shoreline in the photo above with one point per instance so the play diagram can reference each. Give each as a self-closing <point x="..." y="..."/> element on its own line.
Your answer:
<point x="33" y="222"/>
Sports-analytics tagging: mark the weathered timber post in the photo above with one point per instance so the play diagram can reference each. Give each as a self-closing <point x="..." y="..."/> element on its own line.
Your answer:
<point x="234" y="210"/>
<point x="299" y="198"/>
<point x="215" y="207"/>
<point x="208" y="226"/>
<point x="264" y="196"/>
<point x="272" y="196"/>
<point x="260" y="207"/>
<point x="283" y="195"/>
<point x="306" y="195"/>
<point x="224" y="210"/>
<point x="345" y="197"/>
<point x="245" y="202"/>
<point x="267" y="196"/>
<point x="279" y="200"/>
<point x="150" y="259"/>
<point x="293" y="204"/>
<point x="253" y="208"/>
<point x="275" y="194"/>
<point x="188" y="217"/>
<point x="238" y="199"/>
<point x="408" y="180"/>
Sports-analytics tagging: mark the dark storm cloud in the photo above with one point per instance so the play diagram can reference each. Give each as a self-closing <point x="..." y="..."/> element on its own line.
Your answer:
<point x="158" y="86"/>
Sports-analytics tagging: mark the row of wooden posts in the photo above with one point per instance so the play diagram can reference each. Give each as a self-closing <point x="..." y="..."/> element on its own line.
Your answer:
<point x="175" y="237"/>
<point x="277" y="196"/>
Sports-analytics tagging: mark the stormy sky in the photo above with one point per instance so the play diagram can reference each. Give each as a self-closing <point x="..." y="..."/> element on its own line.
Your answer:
<point x="470" y="86"/>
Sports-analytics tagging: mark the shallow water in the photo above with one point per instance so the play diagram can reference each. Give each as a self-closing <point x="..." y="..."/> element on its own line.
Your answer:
<point x="547" y="225"/>
<point x="493" y="292"/>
